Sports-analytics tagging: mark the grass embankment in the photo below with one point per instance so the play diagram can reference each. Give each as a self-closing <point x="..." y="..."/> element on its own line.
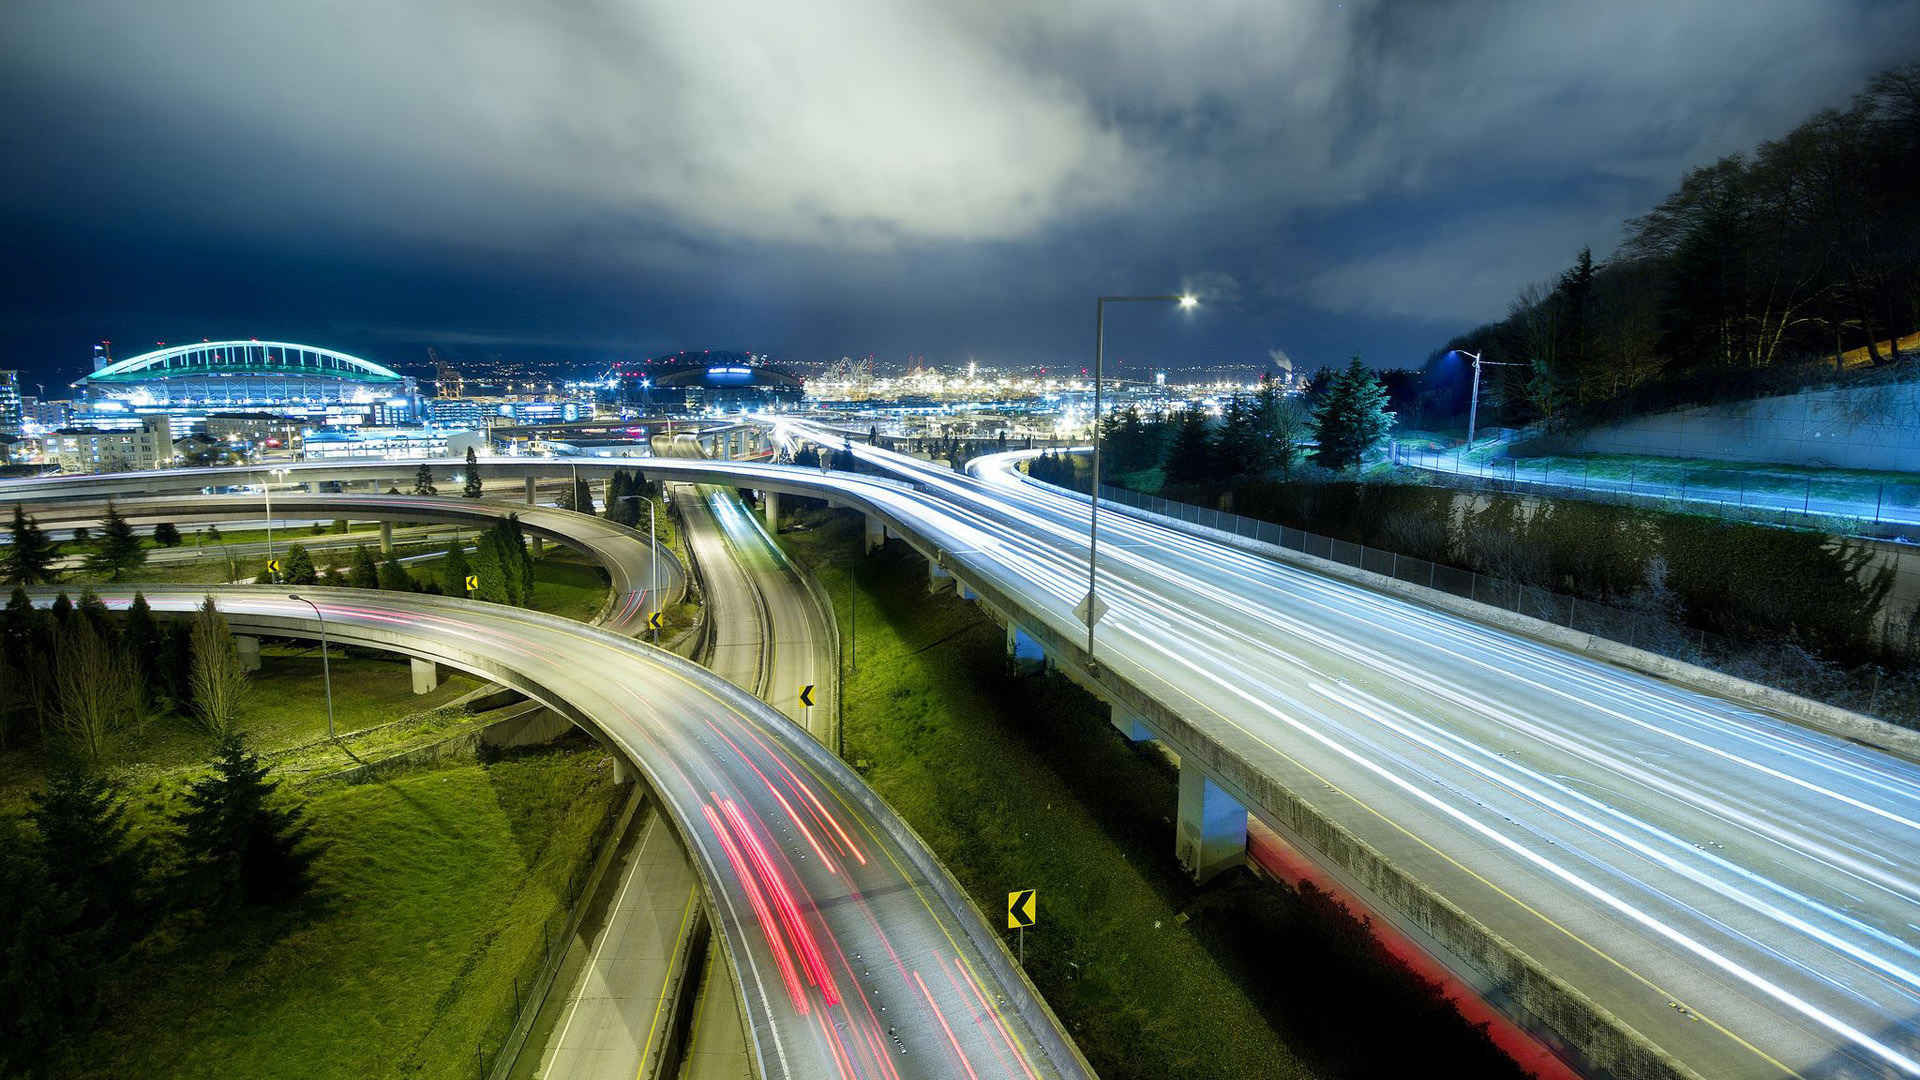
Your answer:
<point x="565" y="582"/>
<point x="434" y="889"/>
<point x="433" y="893"/>
<point x="285" y="711"/>
<point x="1019" y="782"/>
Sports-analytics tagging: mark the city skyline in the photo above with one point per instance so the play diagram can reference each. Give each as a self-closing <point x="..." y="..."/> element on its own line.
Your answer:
<point x="1346" y="180"/>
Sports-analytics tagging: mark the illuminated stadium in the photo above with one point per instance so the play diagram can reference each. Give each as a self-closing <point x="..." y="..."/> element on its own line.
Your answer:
<point x="703" y="380"/>
<point x="248" y="375"/>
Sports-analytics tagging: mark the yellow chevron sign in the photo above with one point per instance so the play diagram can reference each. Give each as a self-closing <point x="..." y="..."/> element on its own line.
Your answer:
<point x="473" y="582"/>
<point x="1021" y="907"/>
<point x="806" y="695"/>
<point x="653" y="621"/>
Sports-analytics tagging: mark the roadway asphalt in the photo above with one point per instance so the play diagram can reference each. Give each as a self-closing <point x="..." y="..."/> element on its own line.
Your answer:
<point x="1743" y="892"/>
<point x="613" y="1018"/>
<point x="621" y="551"/>
<point x="854" y="954"/>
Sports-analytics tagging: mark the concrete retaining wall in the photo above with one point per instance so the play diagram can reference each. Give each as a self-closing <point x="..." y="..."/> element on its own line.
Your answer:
<point x="1863" y="427"/>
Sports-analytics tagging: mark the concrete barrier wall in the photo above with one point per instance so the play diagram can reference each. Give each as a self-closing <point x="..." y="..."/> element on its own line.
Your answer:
<point x="1607" y="1045"/>
<point x="1863" y="427"/>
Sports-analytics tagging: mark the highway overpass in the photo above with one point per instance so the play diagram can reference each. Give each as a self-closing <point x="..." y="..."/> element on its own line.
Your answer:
<point x="1667" y="882"/>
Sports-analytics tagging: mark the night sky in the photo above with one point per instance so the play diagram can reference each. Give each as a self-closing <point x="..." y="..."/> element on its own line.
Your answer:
<point x="601" y="179"/>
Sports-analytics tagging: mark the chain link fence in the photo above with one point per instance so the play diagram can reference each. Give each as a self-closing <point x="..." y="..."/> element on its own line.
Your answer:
<point x="1869" y="690"/>
<point x="499" y="1040"/>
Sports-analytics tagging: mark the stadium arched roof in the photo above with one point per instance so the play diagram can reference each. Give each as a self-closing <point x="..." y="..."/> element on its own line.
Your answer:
<point x="242" y="358"/>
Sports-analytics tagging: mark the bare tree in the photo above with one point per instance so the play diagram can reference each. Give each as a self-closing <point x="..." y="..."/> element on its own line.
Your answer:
<point x="219" y="683"/>
<point x="99" y="693"/>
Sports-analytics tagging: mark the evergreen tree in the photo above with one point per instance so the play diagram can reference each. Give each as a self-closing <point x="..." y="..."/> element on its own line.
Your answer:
<point x="1281" y="424"/>
<point x="49" y="971"/>
<point x="238" y="846"/>
<point x="522" y="561"/>
<point x="166" y="534"/>
<point x="91" y="857"/>
<point x="423" y="481"/>
<point x="62" y="611"/>
<point x="119" y="551"/>
<point x="492" y="586"/>
<point x="298" y="568"/>
<point x="98" y="618"/>
<point x="1190" y="459"/>
<point x="174" y="671"/>
<point x="394" y="577"/>
<point x="1238" y="450"/>
<point x="140" y="634"/>
<point x="28" y="560"/>
<point x="454" y="571"/>
<point x="1352" y="419"/>
<point x="472" y="490"/>
<point x="365" y="573"/>
<point x="582" y="497"/>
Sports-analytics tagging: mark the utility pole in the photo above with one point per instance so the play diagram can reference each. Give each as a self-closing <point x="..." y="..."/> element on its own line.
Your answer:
<point x="1473" y="409"/>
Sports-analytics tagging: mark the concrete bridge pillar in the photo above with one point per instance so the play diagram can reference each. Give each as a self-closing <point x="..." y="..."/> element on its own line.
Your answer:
<point x="938" y="577"/>
<point x="530" y="497"/>
<point x="876" y="533"/>
<point x="1128" y="723"/>
<point x="964" y="590"/>
<point x="539" y="546"/>
<point x="1023" y="649"/>
<point x="426" y="676"/>
<point x="1211" y="835"/>
<point x="248" y="647"/>
<point x="623" y="770"/>
<point x="770" y="506"/>
<point x="386" y="538"/>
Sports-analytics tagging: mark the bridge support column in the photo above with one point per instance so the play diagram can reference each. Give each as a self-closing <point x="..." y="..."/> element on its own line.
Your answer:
<point x="876" y="533"/>
<point x="1211" y="835"/>
<point x="938" y="577"/>
<point x="964" y="590"/>
<point x="386" y="538"/>
<point x="426" y="676"/>
<point x="539" y="546"/>
<point x="623" y="770"/>
<point x="1128" y="723"/>
<point x="770" y="506"/>
<point x="248" y="648"/>
<point x="1022" y="649"/>
<point x="530" y="496"/>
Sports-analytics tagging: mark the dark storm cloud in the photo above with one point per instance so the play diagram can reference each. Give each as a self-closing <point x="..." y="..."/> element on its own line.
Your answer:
<point x="847" y="175"/>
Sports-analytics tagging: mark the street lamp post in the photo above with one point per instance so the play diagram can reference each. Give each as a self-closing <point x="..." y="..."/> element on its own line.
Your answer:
<point x="1186" y="302"/>
<point x="326" y="664"/>
<point x="653" y="564"/>
<point x="266" y="489"/>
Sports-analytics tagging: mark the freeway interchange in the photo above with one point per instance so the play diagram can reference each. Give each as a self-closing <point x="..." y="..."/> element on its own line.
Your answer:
<point x="1665" y="882"/>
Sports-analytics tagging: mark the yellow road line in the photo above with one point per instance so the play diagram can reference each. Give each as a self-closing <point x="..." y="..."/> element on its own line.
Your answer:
<point x="653" y="1029"/>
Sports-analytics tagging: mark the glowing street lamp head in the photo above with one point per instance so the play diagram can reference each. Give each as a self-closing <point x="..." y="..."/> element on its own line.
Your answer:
<point x="1188" y="302"/>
